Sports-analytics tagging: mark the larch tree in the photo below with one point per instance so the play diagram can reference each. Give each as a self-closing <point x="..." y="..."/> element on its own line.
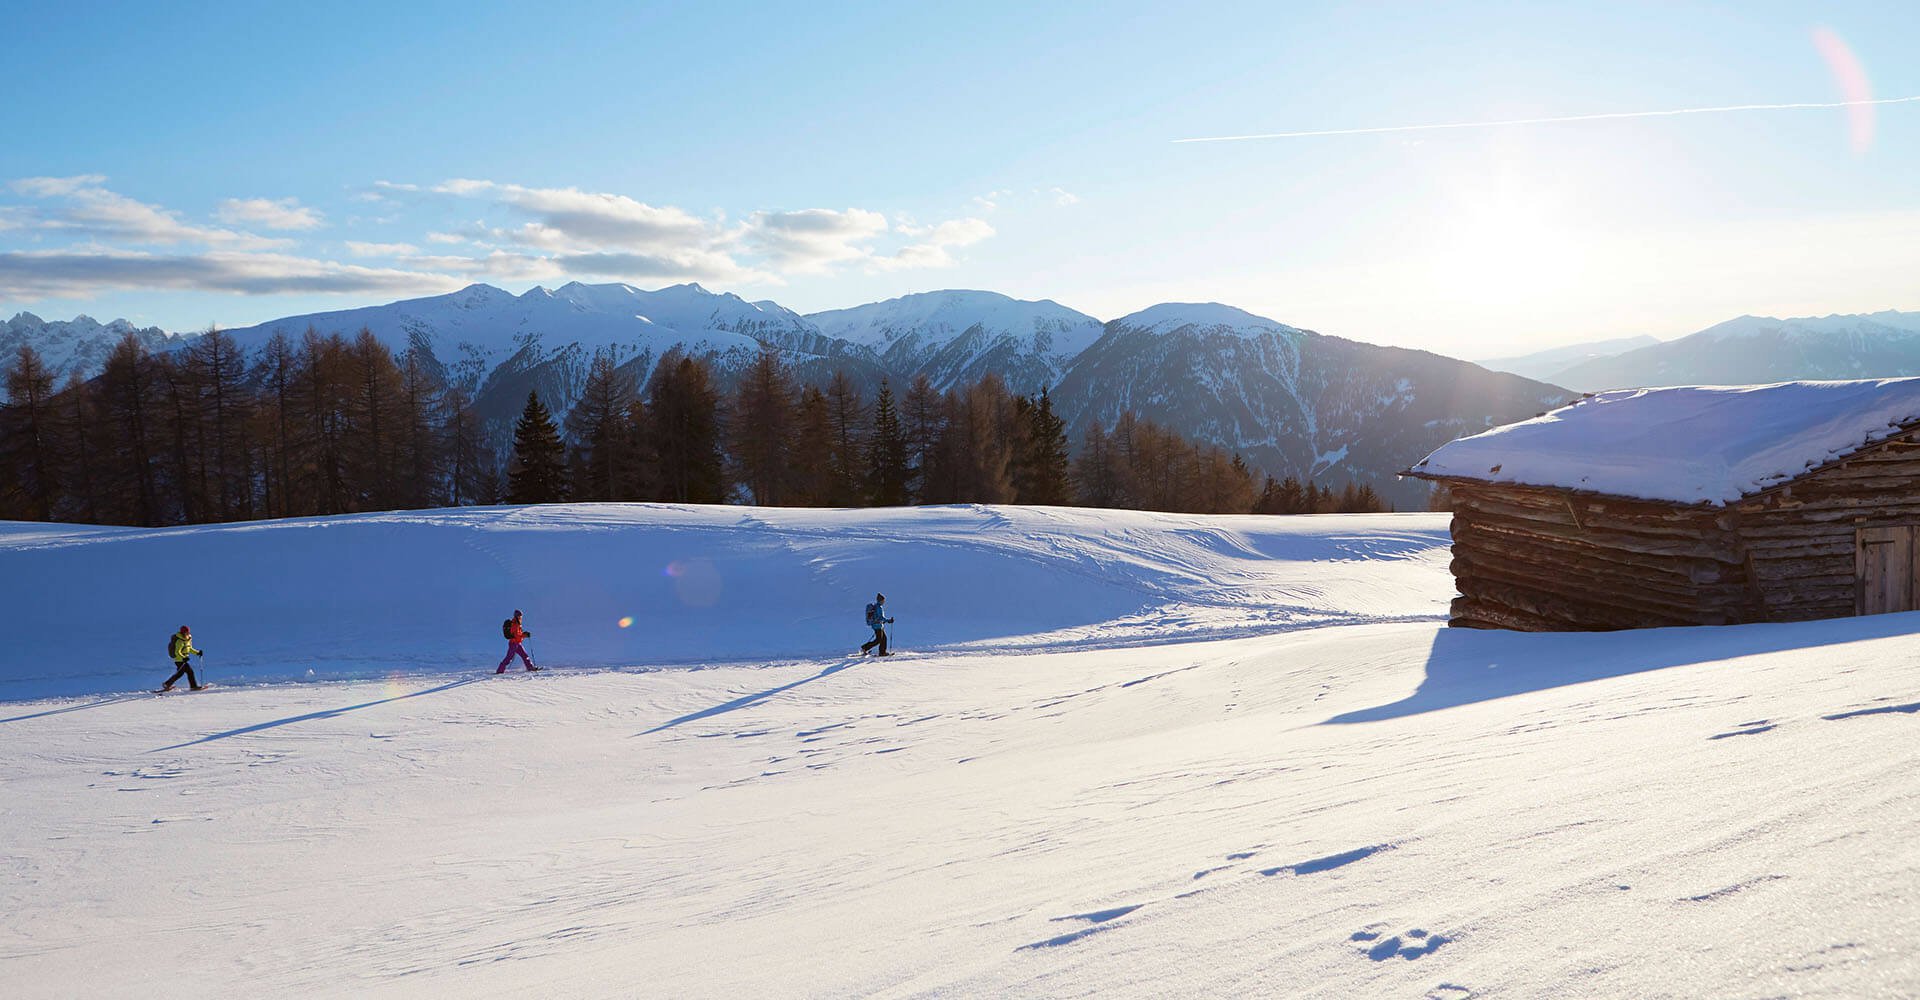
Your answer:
<point x="761" y="429"/>
<point x="29" y="443"/>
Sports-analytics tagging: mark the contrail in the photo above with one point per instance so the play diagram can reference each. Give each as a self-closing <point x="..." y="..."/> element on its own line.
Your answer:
<point x="1547" y="121"/>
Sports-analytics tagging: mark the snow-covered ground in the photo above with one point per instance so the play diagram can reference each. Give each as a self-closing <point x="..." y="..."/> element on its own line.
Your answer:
<point x="1156" y="756"/>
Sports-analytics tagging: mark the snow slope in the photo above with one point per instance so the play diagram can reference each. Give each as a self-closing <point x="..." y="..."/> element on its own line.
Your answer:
<point x="1385" y="809"/>
<point x="424" y="591"/>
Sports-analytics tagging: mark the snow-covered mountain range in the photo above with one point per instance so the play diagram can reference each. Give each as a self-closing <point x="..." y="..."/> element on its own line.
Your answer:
<point x="955" y="337"/>
<point x="1756" y="349"/>
<point x="1291" y="401"/>
<point x="77" y="345"/>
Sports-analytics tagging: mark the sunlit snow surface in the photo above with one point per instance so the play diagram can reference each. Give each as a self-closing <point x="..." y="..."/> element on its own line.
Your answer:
<point x="1150" y="762"/>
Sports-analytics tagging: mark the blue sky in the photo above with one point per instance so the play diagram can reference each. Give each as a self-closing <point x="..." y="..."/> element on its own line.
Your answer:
<point x="243" y="163"/>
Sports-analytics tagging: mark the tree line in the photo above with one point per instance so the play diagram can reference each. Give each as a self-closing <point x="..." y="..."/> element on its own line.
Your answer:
<point x="324" y="424"/>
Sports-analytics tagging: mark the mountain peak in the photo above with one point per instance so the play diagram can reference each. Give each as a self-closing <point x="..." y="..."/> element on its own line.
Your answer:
<point x="1170" y="316"/>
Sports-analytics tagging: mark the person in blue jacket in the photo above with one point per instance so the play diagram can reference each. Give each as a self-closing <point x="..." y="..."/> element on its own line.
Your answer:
<point x="878" y="621"/>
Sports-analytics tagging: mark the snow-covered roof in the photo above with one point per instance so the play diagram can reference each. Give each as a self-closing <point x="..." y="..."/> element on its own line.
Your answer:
<point x="1709" y="444"/>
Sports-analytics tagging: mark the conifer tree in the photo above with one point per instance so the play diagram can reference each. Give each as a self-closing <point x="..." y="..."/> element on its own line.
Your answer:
<point x="372" y="427"/>
<point x="845" y="463"/>
<point x="922" y="410"/>
<point x="1096" y="481"/>
<point x="539" y="470"/>
<point x="761" y="431"/>
<point x="886" y="454"/>
<point x="132" y="488"/>
<point x="686" y="425"/>
<point x="29" y="446"/>
<point x="1045" y="469"/>
<point x="78" y="435"/>
<point x="418" y="453"/>
<point x="274" y="373"/>
<point x="812" y="441"/>
<point x="598" y="428"/>
<point x="471" y="478"/>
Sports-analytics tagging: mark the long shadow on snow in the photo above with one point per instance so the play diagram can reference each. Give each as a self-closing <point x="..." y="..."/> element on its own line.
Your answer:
<point x="745" y="700"/>
<point x="310" y="716"/>
<point x="1473" y="665"/>
<point x="115" y="700"/>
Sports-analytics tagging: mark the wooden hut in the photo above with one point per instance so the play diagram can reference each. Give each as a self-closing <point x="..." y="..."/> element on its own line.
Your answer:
<point x="1692" y="505"/>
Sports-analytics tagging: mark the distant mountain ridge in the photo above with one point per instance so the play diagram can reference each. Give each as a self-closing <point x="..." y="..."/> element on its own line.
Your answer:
<point x="1548" y="364"/>
<point x="1291" y="401"/>
<point x="1759" y="349"/>
<point x="76" y="346"/>
<point x="955" y="337"/>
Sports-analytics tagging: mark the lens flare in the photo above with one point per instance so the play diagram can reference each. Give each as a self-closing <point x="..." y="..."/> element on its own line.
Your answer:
<point x="696" y="582"/>
<point x="626" y="622"/>
<point x="1851" y="78"/>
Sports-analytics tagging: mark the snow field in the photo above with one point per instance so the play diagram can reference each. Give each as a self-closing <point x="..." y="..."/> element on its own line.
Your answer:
<point x="424" y="592"/>
<point x="1385" y="809"/>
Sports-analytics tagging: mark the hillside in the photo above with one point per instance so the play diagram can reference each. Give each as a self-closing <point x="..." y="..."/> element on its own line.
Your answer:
<point x="1117" y="779"/>
<point x="1289" y="399"/>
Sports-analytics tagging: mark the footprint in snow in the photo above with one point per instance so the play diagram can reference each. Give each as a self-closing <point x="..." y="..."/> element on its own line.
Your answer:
<point x="1410" y="944"/>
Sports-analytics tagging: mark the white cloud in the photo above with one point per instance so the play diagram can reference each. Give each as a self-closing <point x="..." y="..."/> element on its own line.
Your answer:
<point x="991" y="200"/>
<point x="569" y="218"/>
<point x="284" y="213"/>
<point x="811" y="240"/>
<point x="82" y="274"/>
<point x="445" y="238"/>
<point x="1062" y="196"/>
<point x="57" y="187"/>
<point x="359" y="249"/>
<point x="934" y="245"/>
<point x="83" y="207"/>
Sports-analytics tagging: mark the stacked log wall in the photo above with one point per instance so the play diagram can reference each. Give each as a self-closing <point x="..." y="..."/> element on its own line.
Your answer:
<point x="1540" y="560"/>
<point x="1802" y="537"/>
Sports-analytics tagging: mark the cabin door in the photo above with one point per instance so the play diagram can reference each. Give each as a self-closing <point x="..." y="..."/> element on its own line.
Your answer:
<point x="1883" y="570"/>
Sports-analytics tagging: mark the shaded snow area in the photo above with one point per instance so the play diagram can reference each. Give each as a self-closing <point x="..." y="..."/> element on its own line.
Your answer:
<point x="1138" y="787"/>
<point x="1690" y="444"/>
<point x="425" y="592"/>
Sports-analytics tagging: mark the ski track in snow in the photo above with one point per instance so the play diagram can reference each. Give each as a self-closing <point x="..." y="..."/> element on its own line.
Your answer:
<point x="1374" y="808"/>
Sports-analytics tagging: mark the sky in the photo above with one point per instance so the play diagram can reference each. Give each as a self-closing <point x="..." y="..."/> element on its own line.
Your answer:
<point x="249" y="161"/>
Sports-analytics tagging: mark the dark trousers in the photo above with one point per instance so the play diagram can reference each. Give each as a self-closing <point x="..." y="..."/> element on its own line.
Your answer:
<point x="879" y="639"/>
<point x="184" y="669"/>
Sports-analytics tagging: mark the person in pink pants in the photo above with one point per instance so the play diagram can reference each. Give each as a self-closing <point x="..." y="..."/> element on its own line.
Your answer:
<point x="516" y="634"/>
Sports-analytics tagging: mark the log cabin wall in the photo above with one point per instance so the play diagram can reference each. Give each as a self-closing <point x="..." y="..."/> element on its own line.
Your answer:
<point x="1802" y="535"/>
<point x="1545" y="560"/>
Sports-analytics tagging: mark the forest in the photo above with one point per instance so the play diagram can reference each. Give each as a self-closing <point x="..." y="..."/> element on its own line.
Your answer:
<point x="326" y="424"/>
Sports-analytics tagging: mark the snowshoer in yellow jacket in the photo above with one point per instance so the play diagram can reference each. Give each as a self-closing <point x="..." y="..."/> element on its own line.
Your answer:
<point x="180" y="647"/>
